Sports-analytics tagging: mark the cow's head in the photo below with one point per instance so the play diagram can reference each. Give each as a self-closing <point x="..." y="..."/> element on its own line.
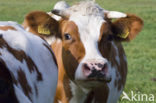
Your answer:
<point x="87" y="34"/>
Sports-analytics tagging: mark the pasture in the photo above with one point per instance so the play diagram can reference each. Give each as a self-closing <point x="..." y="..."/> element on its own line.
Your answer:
<point x="141" y="52"/>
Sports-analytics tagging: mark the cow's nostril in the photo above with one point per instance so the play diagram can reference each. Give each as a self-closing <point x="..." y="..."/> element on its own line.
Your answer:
<point x="86" y="70"/>
<point x="100" y="65"/>
<point x="86" y="67"/>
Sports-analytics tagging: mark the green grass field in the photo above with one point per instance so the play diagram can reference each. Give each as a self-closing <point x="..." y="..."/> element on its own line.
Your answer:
<point x="141" y="52"/>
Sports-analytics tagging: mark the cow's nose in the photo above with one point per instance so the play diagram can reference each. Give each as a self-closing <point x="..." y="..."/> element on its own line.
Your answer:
<point x="88" y="68"/>
<point x="96" y="71"/>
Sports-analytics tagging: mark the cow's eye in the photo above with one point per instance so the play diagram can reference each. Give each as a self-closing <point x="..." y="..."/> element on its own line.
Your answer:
<point x="67" y="36"/>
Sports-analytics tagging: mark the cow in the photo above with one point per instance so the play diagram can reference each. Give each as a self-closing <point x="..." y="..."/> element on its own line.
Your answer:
<point x="87" y="45"/>
<point x="28" y="70"/>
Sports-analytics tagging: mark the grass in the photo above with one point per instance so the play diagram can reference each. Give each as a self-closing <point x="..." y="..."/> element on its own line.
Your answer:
<point x="141" y="52"/>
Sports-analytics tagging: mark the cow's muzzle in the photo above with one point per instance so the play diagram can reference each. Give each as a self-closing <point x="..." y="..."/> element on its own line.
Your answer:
<point x="96" y="72"/>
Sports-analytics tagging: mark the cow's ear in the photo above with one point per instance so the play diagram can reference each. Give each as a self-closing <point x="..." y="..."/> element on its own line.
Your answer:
<point x="126" y="29"/>
<point x="42" y="24"/>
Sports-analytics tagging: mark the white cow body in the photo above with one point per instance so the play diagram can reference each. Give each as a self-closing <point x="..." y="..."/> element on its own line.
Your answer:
<point x="42" y="77"/>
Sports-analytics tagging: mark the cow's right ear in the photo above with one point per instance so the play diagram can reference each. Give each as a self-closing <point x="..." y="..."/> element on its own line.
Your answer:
<point x="42" y="24"/>
<point x="127" y="28"/>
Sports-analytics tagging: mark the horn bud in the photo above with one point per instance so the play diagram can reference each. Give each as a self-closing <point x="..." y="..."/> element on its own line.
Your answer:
<point x="115" y="14"/>
<point x="61" y="5"/>
<point x="61" y="13"/>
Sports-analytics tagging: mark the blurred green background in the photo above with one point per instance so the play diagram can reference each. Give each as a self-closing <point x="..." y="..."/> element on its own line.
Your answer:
<point x="141" y="52"/>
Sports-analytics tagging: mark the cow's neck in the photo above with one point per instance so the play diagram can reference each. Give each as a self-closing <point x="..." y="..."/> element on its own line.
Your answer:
<point x="79" y="94"/>
<point x="57" y="49"/>
<point x="82" y="95"/>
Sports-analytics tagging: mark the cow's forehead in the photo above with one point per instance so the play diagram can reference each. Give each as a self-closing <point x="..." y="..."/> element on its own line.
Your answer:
<point x="86" y="9"/>
<point x="88" y="25"/>
<point x="88" y="16"/>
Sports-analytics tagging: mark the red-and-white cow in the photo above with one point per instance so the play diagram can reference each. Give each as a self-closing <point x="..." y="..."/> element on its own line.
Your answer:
<point x="28" y="71"/>
<point x="87" y="45"/>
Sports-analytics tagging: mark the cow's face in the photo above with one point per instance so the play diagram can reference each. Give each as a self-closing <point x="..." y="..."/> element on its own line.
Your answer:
<point x="81" y="38"/>
<point x="87" y="34"/>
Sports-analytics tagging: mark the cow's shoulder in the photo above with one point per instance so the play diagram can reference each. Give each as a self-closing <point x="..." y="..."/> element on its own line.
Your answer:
<point x="29" y="63"/>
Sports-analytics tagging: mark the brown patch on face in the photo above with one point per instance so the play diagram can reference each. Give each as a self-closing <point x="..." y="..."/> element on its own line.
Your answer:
<point x="7" y="93"/>
<point x="105" y="31"/>
<point x="6" y="28"/>
<point x="73" y="50"/>
<point x="70" y="63"/>
<point x="109" y="52"/>
<point x="104" y="42"/>
<point x="20" y="55"/>
<point x="24" y="83"/>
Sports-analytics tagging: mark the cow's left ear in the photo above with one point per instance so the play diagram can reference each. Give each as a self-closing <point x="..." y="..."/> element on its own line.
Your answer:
<point x="126" y="28"/>
<point x="42" y="24"/>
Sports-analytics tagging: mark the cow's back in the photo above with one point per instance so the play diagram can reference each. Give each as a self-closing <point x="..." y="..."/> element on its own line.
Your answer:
<point x="28" y="71"/>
